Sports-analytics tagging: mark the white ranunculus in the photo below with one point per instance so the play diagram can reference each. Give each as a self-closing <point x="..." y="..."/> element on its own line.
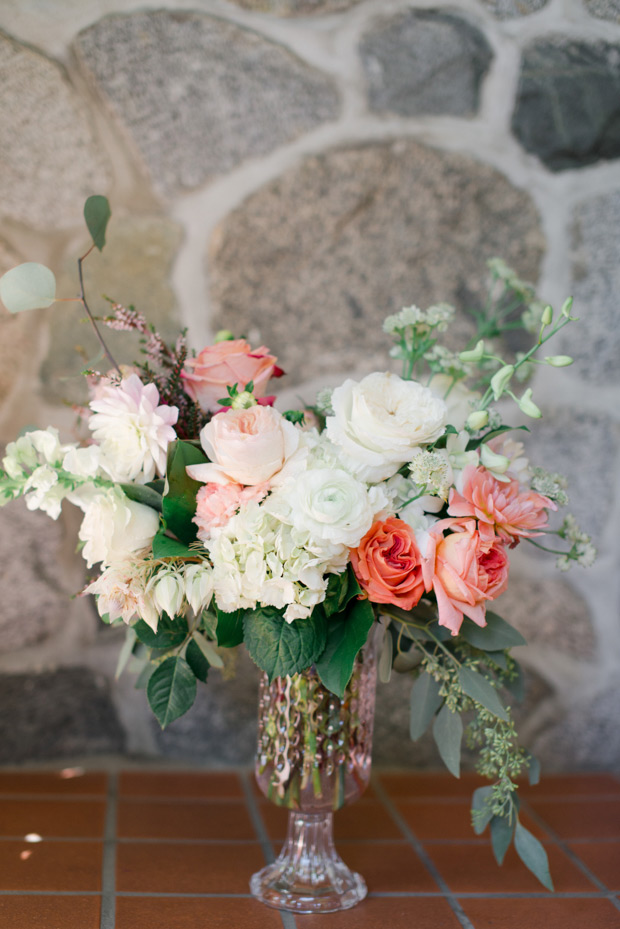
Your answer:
<point x="379" y="420"/>
<point x="113" y="526"/>
<point x="133" y="430"/>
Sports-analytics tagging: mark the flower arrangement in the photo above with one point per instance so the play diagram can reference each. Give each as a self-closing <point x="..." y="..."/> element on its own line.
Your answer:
<point x="212" y="518"/>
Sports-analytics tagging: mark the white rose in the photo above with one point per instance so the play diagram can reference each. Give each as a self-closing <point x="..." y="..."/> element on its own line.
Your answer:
<point x="379" y="420"/>
<point x="113" y="526"/>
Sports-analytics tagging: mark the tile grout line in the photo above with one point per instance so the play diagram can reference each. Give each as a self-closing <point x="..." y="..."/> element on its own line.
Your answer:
<point x="288" y="920"/>
<point x="108" y="869"/>
<point x="418" y="847"/>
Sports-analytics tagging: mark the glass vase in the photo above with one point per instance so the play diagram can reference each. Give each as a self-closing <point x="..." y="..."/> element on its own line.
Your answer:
<point x="313" y="756"/>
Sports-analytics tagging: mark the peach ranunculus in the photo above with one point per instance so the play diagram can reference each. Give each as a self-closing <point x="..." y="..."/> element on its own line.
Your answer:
<point x="388" y="564"/>
<point x="219" y="366"/>
<point x="502" y="509"/>
<point x="464" y="570"/>
<point x="246" y="446"/>
<point x="217" y="503"/>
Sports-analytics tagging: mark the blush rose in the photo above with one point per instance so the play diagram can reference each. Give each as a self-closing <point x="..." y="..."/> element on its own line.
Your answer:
<point x="218" y="366"/>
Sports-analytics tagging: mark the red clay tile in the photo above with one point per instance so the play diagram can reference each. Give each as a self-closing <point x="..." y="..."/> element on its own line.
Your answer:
<point x="388" y="867"/>
<point x="567" y="785"/>
<point x="431" y="784"/>
<point x="367" y="819"/>
<point x="551" y="913"/>
<point x="59" y="866"/>
<point x="63" y="781"/>
<point x="209" y="819"/>
<point x="180" y="785"/>
<point x="397" y="913"/>
<point x="166" y="912"/>
<point x="473" y="869"/>
<point x="433" y="818"/>
<point x="60" y="818"/>
<point x="168" y="867"/>
<point x="603" y="859"/>
<point x="40" y="912"/>
<point x="580" y="819"/>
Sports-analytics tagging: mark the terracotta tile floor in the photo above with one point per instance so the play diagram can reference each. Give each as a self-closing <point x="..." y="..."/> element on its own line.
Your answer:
<point x="175" y="850"/>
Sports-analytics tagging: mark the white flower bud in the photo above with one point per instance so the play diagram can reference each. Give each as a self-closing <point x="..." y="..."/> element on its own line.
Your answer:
<point x="527" y="405"/>
<point x="492" y="461"/>
<point x="567" y="307"/>
<point x="501" y="379"/>
<point x="477" y="420"/>
<point x="547" y="316"/>
<point x="168" y="594"/>
<point x="198" y="586"/>
<point x="243" y="401"/>
<point x="474" y="354"/>
<point x="558" y="361"/>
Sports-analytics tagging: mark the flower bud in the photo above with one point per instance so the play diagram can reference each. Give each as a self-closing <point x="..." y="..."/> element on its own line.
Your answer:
<point x="527" y="405"/>
<point x="477" y="420"/>
<point x="168" y="594"/>
<point x="547" y="316"/>
<point x="501" y="379"/>
<point x="492" y="461"/>
<point x="243" y="401"/>
<point x="224" y="335"/>
<point x="559" y="361"/>
<point x="198" y="586"/>
<point x="567" y="307"/>
<point x="473" y="354"/>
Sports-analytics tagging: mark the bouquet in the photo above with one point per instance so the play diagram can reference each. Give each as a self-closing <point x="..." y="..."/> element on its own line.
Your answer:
<point x="211" y="518"/>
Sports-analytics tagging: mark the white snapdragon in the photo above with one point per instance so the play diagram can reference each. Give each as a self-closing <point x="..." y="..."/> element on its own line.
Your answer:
<point x="43" y="491"/>
<point x="198" y="579"/>
<point x="113" y="526"/>
<point x="168" y="590"/>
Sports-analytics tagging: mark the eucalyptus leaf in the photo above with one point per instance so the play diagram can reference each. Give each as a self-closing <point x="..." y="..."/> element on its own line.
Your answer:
<point x="479" y="689"/>
<point x="196" y="660"/>
<point x="533" y="855"/>
<point x="282" y="648"/>
<point x="501" y="836"/>
<point x="142" y="493"/>
<point x="29" y="286"/>
<point x="170" y="632"/>
<point x="496" y="636"/>
<point x="347" y="632"/>
<point x="425" y="701"/>
<point x="96" y="215"/>
<point x="171" y="689"/>
<point x="386" y="657"/>
<point x="533" y="770"/>
<point x="448" y="733"/>
<point x="516" y="686"/>
<point x="126" y="651"/>
<point x="208" y="650"/>
<point x="481" y="808"/>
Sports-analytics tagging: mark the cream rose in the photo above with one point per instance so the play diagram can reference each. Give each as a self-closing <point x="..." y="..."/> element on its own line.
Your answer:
<point x="379" y="420"/>
<point x="247" y="446"/>
<point x="113" y="526"/>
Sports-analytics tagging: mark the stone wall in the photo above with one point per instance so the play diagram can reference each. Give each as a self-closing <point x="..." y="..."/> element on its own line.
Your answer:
<point x="296" y="169"/>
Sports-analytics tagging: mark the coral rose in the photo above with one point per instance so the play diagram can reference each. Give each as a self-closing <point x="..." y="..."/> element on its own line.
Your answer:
<point x="388" y="564"/>
<point x="219" y="366"/>
<point x="502" y="509"/>
<point x="464" y="570"/>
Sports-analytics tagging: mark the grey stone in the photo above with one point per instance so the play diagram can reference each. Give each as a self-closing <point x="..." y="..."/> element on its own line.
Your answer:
<point x="198" y="95"/>
<point x="220" y="729"/>
<point x="296" y="7"/>
<point x="133" y="269"/>
<point x="347" y="237"/>
<point x="568" y="102"/>
<point x="604" y="9"/>
<point x="549" y="613"/>
<point x="511" y="9"/>
<point x="556" y="444"/>
<point x="56" y="715"/>
<point x="594" y="342"/>
<point x="425" y="62"/>
<point x="50" y="158"/>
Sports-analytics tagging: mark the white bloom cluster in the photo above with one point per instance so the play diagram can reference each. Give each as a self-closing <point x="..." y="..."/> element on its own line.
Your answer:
<point x="438" y="316"/>
<point x="550" y="484"/>
<point x="582" y="551"/>
<point x="432" y="471"/>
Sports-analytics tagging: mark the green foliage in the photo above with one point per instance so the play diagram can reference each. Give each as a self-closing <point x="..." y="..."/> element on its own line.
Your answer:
<point x="340" y="589"/>
<point x="170" y="632"/>
<point x="479" y="689"/>
<point x="142" y="493"/>
<point x="386" y="658"/>
<point x="448" y="734"/>
<point x="481" y="809"/>
<point x="196" y="660"/>
<point x="282" y="648"/>
<point x="171" y="689"/>
<point x="502" y="829"/>
<point x="495" y="636"/>
<point x="230" y="628"/>
<point x="179" y="502"/>
<point x="126" y="651"/>
<point x="166" y="547"/>
<point x="96" y="215"/>
<point x="29" y="286"/>
<point x="425" y="701"/>
<point x="533" y="855"/>
<point x="346" y="633"/>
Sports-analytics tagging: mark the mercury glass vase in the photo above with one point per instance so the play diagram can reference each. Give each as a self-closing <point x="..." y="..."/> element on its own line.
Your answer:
<point x="313" y="756"/>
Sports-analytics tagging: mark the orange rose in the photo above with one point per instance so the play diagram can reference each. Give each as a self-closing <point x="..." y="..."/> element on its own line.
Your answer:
<point x="224" y="364"/>
<point x="388" y="564"/>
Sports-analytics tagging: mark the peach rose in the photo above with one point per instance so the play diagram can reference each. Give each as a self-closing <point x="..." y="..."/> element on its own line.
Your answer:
<point x="246" y="446"/>
<point x="464" y="570"/>
<point x="502" y="509"/>
<point x="221" y="365"/>
<point x="388" y="564"/>
<point x="217" y="503"/>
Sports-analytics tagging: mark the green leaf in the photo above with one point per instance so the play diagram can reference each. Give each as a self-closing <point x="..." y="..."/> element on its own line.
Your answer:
<point x="500" y="659"/>
<point x="501" y="836"/>
<point x="96" y="214"/>
<point x="347" y="631"/>
<point x="208" y="650"/>
<point x="165" y="547"/>
<point x="142" y="493"/>
<point x="196" y="660"/>
<point x="230" y="628"/>
<point x="282" y="648"/>
<point x="480" y="806"/>
<point x="171" y="689"/>
<point x="479" y="689"/>
<point x="494" y="637"/>
<point x="386" y="657"/>
<point x="425" y="701"/>
<point x="448" y="733"/>
<point x="29" y="286"/>
<point x="126" y="651"/>
<point x="179" y="502"/>
<point x="517" y="686"/>
<point x="170" y="632"/>
<point x="340" y="589"/>
<point x="533" y="770"/>
<point x="476" y="443"/>
<point x="533" y="855"/>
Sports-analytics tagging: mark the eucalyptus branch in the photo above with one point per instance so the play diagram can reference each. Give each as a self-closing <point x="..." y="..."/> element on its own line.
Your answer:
<point x="105" y="348"/>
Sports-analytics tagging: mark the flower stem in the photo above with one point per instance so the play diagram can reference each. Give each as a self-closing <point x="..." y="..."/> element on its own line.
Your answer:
<point x="105" y="348"/>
